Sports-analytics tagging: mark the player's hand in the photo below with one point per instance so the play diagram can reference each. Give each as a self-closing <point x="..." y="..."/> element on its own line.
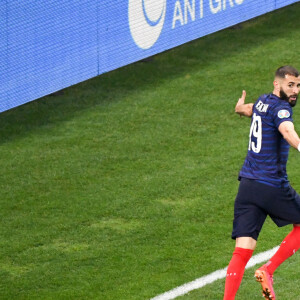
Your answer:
<point x="240" y="102"/>
<point x="242" y="99"/>
<point x="243" y="109"/>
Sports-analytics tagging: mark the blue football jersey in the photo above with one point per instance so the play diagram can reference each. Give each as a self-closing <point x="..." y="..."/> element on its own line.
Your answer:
<point x="267" y="150"/>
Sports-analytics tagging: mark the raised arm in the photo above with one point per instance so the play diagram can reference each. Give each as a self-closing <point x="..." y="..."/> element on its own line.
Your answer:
<point x="244" y="109"/>
<point x="290" y="135"/>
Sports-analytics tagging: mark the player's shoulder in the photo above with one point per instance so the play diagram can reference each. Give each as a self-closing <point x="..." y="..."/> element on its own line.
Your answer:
<point x="263" y="104"/>
<point x="280" y="109"/>
<point x="271" y="107"/>
<point x="276" y="104"/>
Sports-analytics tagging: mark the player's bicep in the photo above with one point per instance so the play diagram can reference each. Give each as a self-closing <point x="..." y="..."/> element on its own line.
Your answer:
<point x="287" y="130"/>
<point x="286" y="127"/>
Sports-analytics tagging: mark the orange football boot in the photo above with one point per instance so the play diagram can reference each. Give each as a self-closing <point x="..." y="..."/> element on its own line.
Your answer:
<point x="266" y="279"/>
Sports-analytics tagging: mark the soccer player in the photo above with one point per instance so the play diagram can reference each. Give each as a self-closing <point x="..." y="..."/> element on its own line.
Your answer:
<point x="264" y="187"/>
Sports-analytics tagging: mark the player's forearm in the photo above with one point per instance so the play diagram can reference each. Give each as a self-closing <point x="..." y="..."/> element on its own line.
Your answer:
<point x="244" y="109"/>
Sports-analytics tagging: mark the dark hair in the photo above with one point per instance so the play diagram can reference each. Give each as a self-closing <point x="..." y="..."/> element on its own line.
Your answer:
<point x="286" y="70"/>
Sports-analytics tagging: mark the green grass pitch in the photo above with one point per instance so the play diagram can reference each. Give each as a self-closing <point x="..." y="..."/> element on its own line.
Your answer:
<point x="123" y="187"/>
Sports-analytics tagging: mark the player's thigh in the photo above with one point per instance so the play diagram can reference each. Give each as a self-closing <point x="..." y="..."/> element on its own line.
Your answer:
<point x="285" y="207"/>
<point x="249" y="217"/>
<point x="248" y="221"/>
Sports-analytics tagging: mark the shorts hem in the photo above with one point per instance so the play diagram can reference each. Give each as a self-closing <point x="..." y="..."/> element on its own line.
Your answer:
<point x="254" y="236"/>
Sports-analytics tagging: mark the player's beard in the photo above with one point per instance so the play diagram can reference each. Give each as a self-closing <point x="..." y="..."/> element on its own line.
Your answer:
<point x="287" y="98"/>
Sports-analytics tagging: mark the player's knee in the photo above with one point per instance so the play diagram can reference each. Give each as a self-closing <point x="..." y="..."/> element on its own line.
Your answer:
<point x="246" y="242"/>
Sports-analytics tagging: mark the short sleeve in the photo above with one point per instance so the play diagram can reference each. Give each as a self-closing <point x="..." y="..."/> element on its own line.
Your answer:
<point x="282" y="114"/>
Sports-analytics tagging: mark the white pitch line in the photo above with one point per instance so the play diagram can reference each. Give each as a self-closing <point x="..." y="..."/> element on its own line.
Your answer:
<point x="210" y="278"/>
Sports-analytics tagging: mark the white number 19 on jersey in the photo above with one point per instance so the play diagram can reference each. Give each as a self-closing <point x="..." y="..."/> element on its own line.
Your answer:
<point x="256" y="132"/>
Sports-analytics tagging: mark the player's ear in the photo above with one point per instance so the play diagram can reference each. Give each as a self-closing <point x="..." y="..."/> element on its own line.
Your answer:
<point x="276" y="85"/>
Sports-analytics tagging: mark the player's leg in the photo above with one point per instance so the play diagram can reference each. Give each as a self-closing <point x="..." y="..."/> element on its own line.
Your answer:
<point x="288" y="247"/>
<point x="286" y="208"/>
<point x="264" y="274"/>
<point x="235" y="271"/>
<point x="248" y="221"/>
<point x="246" y="243"/>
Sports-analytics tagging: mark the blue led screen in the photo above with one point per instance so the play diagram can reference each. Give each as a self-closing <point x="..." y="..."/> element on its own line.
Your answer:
<point x="48" y="45"/>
